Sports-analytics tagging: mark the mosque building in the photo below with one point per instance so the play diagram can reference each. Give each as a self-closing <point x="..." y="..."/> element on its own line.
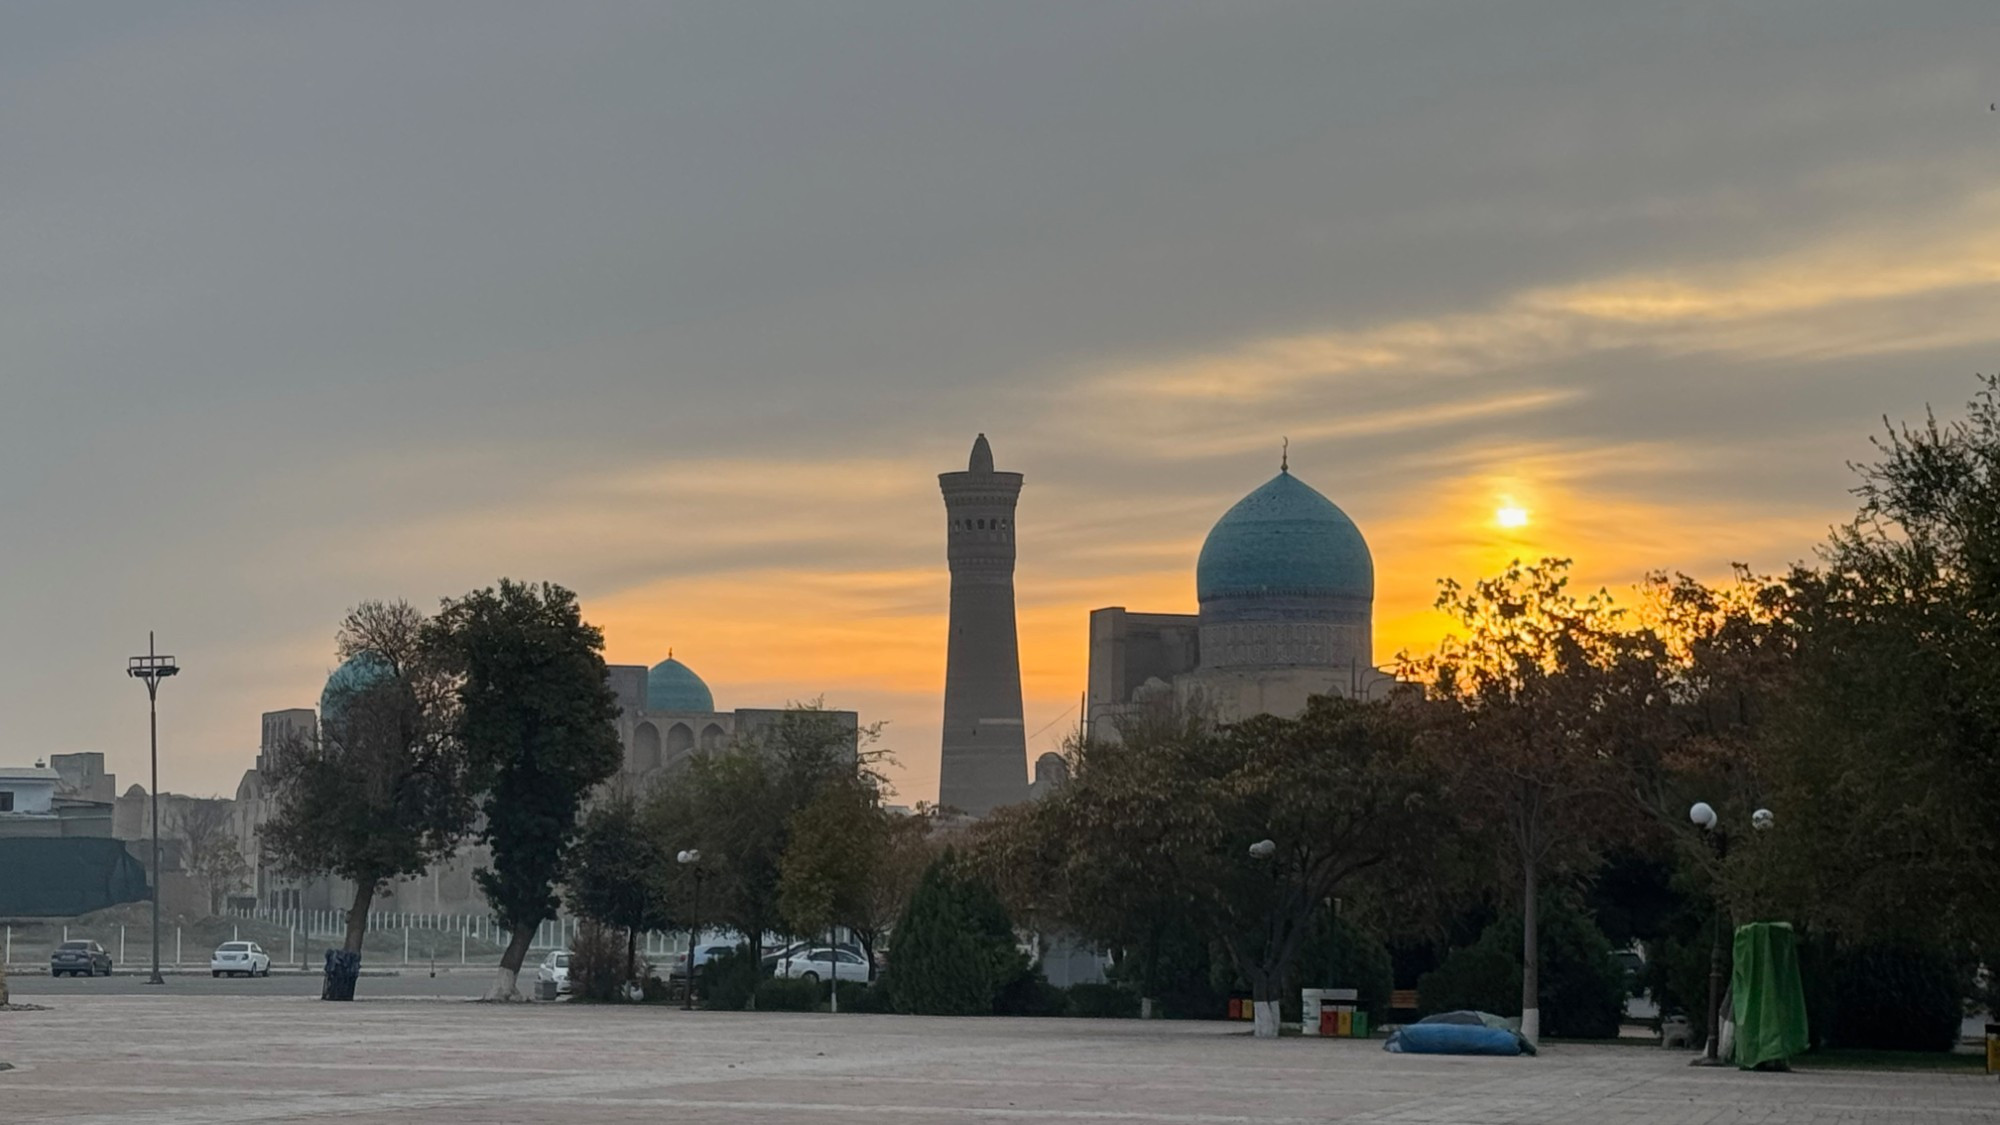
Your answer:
<point x="665" y="714"/>
<point x="1285" y="588"/>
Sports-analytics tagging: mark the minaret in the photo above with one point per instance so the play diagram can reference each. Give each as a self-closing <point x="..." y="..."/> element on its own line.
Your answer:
<point x="985" y="760"/>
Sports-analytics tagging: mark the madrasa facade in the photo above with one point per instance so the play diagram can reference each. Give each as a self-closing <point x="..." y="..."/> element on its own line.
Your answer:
<point x="1285" y="593"/>
<point x="666" y="713"/>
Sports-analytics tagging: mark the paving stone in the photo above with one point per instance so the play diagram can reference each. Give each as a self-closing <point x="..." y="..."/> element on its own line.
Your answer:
<point x="224" y="1060"/>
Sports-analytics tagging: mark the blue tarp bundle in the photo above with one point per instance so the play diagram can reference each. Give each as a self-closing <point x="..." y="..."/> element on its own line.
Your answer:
<point x="1459" y="1033"/>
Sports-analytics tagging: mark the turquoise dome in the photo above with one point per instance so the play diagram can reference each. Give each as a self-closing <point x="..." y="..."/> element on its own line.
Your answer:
<point x="673" y="686"/>
<point x="1284" y="540"/>
<point x="361" y="671"/>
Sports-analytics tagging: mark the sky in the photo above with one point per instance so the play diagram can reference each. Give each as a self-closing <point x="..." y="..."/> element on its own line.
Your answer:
<point x="683" y="306"/>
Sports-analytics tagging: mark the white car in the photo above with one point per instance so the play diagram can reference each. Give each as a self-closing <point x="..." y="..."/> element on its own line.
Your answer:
<point x="244" y="957"/>
<point x="555" y="967"/>
<point x="821" y="963"/>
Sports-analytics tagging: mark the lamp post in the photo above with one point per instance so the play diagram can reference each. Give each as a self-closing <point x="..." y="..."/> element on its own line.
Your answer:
<point x="1705" y="818"/>
<point x="691" y="859"/>
<point x="1265" y="1011"/>
<point x="151" y="669"/>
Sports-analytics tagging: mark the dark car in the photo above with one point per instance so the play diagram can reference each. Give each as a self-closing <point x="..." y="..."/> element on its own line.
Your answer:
<point x="79" y="958"/>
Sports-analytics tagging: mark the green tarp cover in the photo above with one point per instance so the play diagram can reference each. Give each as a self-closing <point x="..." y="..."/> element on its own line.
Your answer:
<point x="57" y="876"/>
<point x="1770" y="1003"/>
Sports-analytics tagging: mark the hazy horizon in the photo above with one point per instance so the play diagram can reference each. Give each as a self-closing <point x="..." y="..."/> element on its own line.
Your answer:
<point x="685" y="306"/>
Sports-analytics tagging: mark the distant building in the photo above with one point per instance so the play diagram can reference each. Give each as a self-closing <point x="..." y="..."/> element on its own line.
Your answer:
<point x="83" y="776"/>
<point x="283" y="732"/>
<point x="666" y="713"/>
<point x="983" y="762"/>
<point x="28" y="790"/>
<point x="1286" y="590"/>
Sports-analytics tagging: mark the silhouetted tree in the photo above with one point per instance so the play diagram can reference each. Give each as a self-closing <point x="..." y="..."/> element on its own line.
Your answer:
<point x="535" y="715"/>
<point x="382" y="792"/>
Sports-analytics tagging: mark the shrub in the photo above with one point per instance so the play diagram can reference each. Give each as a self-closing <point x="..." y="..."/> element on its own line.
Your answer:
<point x="1896" y="999"/>
<point x="1582" y="987"/>
<point x="728" y="982"/>
<point x="597" y="963"/>
<point x="861" y="999"/>
<point x="779" y="995"/>
<point x="1030" y="994"/>
<point x="954" y="949"/>
<point x="1178" y="969"/>
<point x="1102" y="1001"/>
<point x="1484" y="977"/>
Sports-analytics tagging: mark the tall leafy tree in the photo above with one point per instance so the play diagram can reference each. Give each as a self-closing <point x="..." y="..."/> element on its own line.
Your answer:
<point x="1885" y="768"/>
<point x="618" y="875"/>
<point x="535" y="715"/>
<point x="383" y="791"/>
<point x="739" y="805"/>
<point x="209" y="848"/>
<point x="1244" y="830"/>
<point x="1540" y="697"/>
<point x="850" y="862"/>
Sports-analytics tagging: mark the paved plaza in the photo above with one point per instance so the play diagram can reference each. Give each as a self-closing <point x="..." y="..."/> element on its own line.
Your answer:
<point x="186" y="1059"/>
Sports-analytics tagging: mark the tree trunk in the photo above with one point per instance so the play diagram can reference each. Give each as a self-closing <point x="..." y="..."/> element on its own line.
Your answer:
<point x="1531" y="959"/>
<point x="357" y="917"/>
<point x="867" y="940"/>
<point x="506" y="985"/>
<point x="3" y="986"/>
<point x="631" y="953"/>
<point x="1264" y="1001"/>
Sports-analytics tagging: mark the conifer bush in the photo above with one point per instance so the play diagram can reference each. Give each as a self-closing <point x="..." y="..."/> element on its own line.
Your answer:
<point x="954" y="949"/>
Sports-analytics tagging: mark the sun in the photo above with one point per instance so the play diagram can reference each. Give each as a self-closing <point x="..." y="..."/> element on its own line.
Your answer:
<point x="1511" y="516"/>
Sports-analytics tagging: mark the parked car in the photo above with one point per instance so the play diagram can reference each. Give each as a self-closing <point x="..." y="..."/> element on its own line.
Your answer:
<point x="239" y="958"/>
<point x="774" y="961"/>
<point x="79" y="958"/>
<point x="555" y="967"/>
<point x="820" y="963"/>
<point x="703" y="954"/>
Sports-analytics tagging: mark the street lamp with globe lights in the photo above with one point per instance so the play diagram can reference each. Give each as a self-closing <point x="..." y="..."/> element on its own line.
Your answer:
<point x="690" y="858"/>
<point x="1704" y="817"/>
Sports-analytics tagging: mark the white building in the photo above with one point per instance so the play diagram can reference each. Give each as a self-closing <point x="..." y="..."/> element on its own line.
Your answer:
<point x="28" y="791"/>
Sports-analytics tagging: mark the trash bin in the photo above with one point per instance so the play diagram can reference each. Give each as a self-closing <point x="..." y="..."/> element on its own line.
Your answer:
<point x="342" y="970"/>
<point x="1310" y="1002"/>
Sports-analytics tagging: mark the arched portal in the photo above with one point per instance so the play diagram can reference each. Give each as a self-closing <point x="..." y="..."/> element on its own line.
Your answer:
<point x="712" y="737"/>
<point x="680" y="741"/>
<point x="646" y="748"/>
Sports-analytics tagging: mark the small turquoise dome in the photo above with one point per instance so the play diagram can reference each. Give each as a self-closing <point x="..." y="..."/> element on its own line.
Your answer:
<point x="361" y="671"/>
<point x="1284" y="540"/>
<point x="673" y="686"/>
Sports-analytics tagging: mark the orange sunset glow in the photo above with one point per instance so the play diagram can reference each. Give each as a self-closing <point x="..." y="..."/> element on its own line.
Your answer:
<point x="334" y="304"/>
